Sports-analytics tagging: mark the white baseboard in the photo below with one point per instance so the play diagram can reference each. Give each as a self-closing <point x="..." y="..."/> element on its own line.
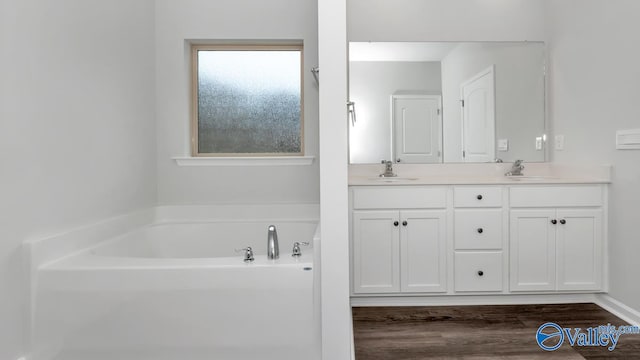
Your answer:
<point x="619" y="309"/>
<point x="456" y="300"/>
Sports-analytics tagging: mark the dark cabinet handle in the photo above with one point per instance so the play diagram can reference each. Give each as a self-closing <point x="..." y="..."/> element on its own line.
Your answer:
<point x="554" y="221"/>
<point x="480" y="230"/>
<point x="479" y="197"/>
<point x="480" y="273"/>
<point x="395" y="223"/>
<point x="398" y="160"/>
<point x="404" y="223"/>
<point x="563" y="221"/>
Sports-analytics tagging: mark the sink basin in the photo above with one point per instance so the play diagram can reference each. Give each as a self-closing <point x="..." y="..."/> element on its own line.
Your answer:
<point x="393" y="179"/>
<point x="530" y="178"/>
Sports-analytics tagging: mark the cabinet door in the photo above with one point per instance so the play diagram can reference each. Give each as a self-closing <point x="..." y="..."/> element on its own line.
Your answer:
<point x="376" y="252"/>
<point x="532" y="255"/>
<point x="579" y="249"/>
<point x="422" y="251"/>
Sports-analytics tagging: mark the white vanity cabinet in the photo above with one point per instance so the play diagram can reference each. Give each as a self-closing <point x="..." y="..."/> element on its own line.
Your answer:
<point x="556" y="238"/>
<point x="484" y="239"/>
<point x="398" y="240"/>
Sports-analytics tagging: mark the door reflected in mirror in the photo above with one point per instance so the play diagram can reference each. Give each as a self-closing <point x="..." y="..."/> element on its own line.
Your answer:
<point x="435" y="102"/>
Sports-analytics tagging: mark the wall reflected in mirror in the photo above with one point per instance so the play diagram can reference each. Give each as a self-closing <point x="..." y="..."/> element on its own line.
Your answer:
<point x="446" y="102"/>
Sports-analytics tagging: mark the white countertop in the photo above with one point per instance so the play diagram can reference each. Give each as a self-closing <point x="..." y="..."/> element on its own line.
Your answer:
<point x="478" y="174"/>
<point x="470" y="180"/>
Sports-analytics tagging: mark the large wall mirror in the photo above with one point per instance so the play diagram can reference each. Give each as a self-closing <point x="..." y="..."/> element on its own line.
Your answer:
<point x="446" y="102"/>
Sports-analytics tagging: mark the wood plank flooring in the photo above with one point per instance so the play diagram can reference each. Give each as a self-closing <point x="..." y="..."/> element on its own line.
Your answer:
<point x="479" y="332"/>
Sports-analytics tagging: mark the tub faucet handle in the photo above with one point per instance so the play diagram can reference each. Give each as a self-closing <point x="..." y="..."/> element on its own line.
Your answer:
<point x="296" y="248"/>
<point x="248" y="253"/>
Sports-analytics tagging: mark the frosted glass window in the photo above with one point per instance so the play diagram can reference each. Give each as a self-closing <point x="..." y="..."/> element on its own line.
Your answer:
<point x="248" y="101"/>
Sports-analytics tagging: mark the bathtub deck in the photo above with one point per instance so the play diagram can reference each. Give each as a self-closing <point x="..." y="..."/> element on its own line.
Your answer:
<point x="87" y="261"/>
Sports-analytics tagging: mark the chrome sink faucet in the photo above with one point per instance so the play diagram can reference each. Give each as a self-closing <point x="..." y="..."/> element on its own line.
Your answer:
<point x="516" y="169"/>
<point x="273" y="252"/>
<point x="388" y="169"/>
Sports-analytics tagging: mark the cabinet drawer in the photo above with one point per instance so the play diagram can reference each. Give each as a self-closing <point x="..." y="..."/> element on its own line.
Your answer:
<point x="406" y="197"/>
<point x="555" y="196"/>
<point x="478" y="271"/>
<point x="478" y="229"/>
<point x="481" y="196"/>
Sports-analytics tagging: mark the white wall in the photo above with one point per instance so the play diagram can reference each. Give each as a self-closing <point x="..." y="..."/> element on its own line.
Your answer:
<point x="594" y="76"/>
<point x="445" y="20"/>
<point x="334" y="225"/>
<point x="77" y="133"/>
<point x="371" y="84"/>
<point x="177" y="21"/>
<point x="519" y="95"/>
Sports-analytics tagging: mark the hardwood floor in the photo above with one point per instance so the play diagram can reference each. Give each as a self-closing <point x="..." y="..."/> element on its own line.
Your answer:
<point x="479" y="332"/>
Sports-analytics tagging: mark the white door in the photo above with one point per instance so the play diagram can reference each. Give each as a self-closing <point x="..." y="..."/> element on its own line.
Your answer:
<point x="532" y="254"/>
<point x="376" y="252"/>
<point x="579" y="249"/>
<point x="422" y="251"/>
<point x="418" y="128"/>
<point x="478" y="117"/>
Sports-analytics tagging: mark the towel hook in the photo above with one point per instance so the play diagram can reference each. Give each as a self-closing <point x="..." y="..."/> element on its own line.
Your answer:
<point x="316" y="73"/>
<point x="351" y="110"/>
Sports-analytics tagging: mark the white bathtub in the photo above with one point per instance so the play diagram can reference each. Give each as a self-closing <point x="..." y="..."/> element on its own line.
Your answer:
<point x="174" y="291"/>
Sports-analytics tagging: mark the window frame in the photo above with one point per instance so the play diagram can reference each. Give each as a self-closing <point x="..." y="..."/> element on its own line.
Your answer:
<point x="195" y="48"/>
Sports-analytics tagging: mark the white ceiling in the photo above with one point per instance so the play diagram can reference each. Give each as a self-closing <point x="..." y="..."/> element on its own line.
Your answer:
<point x="399" y="51"/>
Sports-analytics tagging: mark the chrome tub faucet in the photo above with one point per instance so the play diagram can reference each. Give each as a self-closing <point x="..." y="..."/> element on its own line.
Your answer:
<point x="273" y="251"/>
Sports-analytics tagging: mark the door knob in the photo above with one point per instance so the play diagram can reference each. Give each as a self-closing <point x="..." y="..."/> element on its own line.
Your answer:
<point x="563" y="221"/>
<point x="480" y="273"/>
<point x="404" y="223"/>
<point x="479" y="197"/>
<point x="398" y="160"/>
<point x="395" y="223"/>
<point x="480" y="230"/>
<point x="554" y="221"/>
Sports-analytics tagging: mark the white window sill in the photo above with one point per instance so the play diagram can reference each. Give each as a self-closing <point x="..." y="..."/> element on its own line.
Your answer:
<point x="245" y="161"/>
